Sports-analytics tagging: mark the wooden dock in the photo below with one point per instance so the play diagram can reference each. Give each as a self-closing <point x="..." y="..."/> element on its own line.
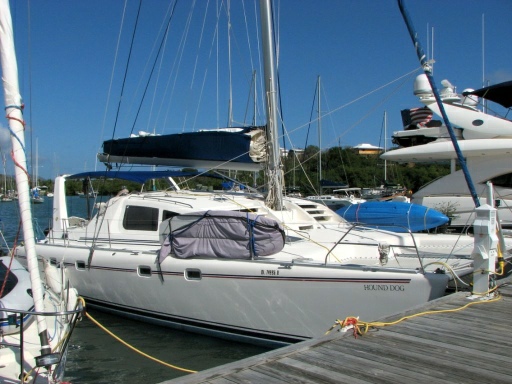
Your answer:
<point x="470" y="345"/>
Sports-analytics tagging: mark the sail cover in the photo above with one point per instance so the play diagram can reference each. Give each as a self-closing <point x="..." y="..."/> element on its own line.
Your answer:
<point x="221" y="234"/>
<point x="225" y="148"/>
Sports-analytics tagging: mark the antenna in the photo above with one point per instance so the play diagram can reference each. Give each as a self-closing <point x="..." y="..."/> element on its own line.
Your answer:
<point x="432" y="57"/>
<point x="430" y="45"/>
<point x="483" y="50"/>
<point x="483" y="61"/>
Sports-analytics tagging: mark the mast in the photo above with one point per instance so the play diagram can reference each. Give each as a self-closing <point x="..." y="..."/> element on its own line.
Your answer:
<point x="230" y="105"/>
<point x="13" y="109"/>
<point x="274" y="197"/>
<point x="319" y="140"/>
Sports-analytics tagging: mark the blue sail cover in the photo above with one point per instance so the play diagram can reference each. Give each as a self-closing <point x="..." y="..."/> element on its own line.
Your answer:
<point x="223" y="148"/>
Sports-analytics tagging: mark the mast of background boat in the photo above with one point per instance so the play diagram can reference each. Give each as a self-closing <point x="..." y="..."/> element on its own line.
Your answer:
<point x="5" y="177"/>
<point x="13" y="109"/>
<point x="428" y="72"/>
<point x="319" y="140"/>
<point x="385" y="145"/>
<point x="274" y="197"/>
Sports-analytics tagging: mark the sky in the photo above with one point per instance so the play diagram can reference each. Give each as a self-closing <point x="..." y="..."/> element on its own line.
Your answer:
<point x="84" y="80"/>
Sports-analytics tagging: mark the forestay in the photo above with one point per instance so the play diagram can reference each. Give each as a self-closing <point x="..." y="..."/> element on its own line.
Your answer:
<point x="222" y="234"/>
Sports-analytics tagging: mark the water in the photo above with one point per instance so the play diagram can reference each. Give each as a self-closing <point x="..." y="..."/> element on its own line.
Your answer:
<point x="95" y="357"/>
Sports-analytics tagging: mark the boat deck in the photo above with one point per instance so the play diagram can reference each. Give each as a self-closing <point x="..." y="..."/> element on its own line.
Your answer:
<point x="470" y="345"/>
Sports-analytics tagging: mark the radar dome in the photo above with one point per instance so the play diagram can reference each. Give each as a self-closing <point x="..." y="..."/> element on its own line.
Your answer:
<point x="421" y="85"/>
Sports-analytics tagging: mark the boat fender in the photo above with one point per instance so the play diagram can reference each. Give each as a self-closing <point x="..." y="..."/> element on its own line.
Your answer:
<point x="53" y="277"/>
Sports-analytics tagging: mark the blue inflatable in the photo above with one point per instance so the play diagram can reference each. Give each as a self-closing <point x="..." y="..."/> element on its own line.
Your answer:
<point x="393" y="216"/>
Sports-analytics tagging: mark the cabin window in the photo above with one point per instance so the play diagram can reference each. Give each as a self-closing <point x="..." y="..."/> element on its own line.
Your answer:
<point x="168" y="214"/>
<point x="80" y="265"/>
<point x="140" y="218"/>
<point x="504" y="181"/>
<point x="144" y="271"/>
<point x="193" y="274"/>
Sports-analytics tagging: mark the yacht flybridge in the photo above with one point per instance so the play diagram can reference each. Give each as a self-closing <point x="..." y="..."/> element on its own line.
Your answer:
<point x="484" y="139"/>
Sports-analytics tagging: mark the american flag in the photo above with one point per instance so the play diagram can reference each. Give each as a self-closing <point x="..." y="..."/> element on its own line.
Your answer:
<point x="416" y="116"/>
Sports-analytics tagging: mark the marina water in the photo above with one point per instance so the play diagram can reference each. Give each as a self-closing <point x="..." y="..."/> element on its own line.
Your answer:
<point x="96" y="357"/>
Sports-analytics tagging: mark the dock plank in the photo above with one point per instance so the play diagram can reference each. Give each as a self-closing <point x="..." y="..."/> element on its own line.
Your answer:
<point x="324" y="374"/>
<point x="473" y="345"/>
<point x="437" y="362"/>
<point x="357" y="365"/>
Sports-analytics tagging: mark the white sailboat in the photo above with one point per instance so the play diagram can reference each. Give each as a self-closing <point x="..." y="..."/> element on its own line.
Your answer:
<point x="276" y="270"/>
<point x="37" y="315"/>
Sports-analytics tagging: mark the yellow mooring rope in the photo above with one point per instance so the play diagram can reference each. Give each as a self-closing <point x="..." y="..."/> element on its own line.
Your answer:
<point x="362" y="327"/>
<point x="135" y="349"/>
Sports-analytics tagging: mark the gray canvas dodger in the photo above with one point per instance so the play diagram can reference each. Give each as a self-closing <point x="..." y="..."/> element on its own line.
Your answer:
<point x="224" y="234"/>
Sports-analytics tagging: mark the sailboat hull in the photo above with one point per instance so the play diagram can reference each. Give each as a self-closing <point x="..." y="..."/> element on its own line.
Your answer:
<point x="260" y="302"/>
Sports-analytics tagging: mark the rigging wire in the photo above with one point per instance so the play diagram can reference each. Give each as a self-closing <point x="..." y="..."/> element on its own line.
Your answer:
<point x="166" y="35"/>
<point x="311" y="114"/>
<point x="113" y="71"/>
<point x="202" y="88"/>
<point x="126" y="71"/>
<point x="177" y="65"/>
<point x="154" y="66"/>
<point x="149" y="56"/>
